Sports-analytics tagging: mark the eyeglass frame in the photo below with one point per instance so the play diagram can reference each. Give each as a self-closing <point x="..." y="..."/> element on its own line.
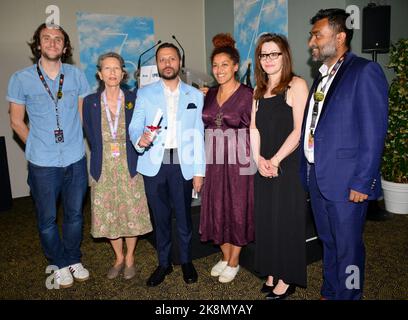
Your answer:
<point x="271" y="55"/>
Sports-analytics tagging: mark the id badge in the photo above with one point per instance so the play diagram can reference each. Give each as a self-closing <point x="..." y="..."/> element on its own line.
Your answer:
<point x="59" y="136"/>
<point x="310" y="142"/>
<point x="115" y="150"/>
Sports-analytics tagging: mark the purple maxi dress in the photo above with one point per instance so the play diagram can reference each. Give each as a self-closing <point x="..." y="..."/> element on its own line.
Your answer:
<point x="227" y="204"/>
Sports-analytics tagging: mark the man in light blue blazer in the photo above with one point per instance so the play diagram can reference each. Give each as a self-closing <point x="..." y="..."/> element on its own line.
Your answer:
<point x="172" y="158"/>
<point x="342" y="141"/>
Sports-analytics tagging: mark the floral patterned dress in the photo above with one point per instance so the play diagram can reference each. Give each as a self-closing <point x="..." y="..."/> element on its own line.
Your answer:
<point x="119" y="206"/>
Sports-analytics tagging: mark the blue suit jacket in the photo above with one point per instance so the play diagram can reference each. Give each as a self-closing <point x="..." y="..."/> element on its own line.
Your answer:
<point x="190" y="129"/>
<point x="92" y="125"/>
<point x="350" y="134"/>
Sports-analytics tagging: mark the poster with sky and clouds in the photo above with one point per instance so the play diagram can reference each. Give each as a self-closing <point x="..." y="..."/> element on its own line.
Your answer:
<point x="251" y="19"/>
<point x="101" y="33"/>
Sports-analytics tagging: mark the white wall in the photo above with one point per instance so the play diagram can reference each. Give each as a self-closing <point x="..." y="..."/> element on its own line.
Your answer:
<point x="20" y="18"/>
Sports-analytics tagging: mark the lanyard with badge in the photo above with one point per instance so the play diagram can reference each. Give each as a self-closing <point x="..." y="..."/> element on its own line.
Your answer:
<point x="319" y="96"/>
<point x="113" y="126"/>
<point x="58" y="133"/>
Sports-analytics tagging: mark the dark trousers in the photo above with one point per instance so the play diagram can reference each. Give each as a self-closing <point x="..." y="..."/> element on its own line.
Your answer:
<point x="47" y="184"/>
<point x="340" y="226"/>
<point x="169" y="188"/>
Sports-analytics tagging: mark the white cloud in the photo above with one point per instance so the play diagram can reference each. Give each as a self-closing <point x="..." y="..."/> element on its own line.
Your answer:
<point x="269" y="9"/>
<point x="148" y="40"/>
<point x="255" y="24"/>
<point x="133" y="44"/>
<point x="241" y="9"/>
<point x="96" y="20"/>
<point x="243" y="36"/>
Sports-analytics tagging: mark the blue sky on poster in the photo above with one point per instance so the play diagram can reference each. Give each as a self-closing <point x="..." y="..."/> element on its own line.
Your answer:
<point x="251" y="19"/>
<point x="101" y="33"/>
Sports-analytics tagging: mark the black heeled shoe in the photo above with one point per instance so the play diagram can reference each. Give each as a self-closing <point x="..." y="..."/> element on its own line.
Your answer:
<point x="273" y="296"/>
<point x="266" y="289"/>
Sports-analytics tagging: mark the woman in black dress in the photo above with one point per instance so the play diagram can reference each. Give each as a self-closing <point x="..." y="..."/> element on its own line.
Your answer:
<point x="278" y="107"/>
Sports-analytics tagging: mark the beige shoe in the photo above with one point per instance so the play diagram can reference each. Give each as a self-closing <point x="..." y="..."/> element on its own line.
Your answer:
<point x="115" y="271"/>
<point x="129" y="272"/>
<point x="218" y="268"/>
<point x="228" y="274"/>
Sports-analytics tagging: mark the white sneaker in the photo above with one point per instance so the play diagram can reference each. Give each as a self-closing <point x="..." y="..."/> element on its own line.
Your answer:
<point x="64" y="278"/>
<point x="228" y="274"/>
<point x="79" y="272"/>
<point x="218" y="268"/>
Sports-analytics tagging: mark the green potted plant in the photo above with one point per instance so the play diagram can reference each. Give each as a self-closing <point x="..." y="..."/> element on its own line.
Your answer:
<point x="395" y="159"/>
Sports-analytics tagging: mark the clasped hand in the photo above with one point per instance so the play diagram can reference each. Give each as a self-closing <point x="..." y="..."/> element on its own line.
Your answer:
<point x="267" y="168"/>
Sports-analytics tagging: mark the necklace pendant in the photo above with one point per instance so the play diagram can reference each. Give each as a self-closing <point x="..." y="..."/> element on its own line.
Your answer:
<point x="218" y="120"/>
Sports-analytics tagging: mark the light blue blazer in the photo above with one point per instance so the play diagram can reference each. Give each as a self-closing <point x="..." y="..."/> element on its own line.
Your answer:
<point x="190" y="129"/>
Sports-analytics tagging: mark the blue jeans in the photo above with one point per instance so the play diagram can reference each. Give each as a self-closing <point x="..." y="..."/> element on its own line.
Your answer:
<point x="46" y="185"/>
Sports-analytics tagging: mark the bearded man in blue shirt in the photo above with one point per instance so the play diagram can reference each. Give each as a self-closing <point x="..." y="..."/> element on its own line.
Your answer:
<point x="51" y="93"/>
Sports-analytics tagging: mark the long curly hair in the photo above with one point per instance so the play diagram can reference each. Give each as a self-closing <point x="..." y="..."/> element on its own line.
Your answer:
<point x="287" y="70"/>
<point x="36" y="41"/>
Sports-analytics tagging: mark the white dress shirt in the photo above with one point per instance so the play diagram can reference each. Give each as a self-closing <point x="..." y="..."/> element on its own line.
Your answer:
<point x="172" y="99"/>
<point x="326" y="82"/>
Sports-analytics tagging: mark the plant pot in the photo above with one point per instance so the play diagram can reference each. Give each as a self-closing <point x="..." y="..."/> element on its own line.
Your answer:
<point x="395" y="197"/>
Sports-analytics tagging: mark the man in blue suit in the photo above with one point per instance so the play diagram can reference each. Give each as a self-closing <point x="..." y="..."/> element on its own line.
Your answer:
<point x="172" y="159"/>
<point x="342" y="141"/>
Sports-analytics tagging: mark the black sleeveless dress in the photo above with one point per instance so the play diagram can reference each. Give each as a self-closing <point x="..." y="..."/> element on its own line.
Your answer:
<point x="280" y="203"/>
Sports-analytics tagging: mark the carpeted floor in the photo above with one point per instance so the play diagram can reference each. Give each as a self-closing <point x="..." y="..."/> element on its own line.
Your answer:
<point x="24" y="274"/>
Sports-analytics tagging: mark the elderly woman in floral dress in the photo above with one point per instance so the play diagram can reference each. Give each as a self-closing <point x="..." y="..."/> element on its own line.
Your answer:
<point x="119" y="208"/>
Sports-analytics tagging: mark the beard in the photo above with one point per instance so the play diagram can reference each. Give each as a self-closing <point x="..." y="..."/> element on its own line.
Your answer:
<point x="326" y="53"/>
<point x="169" y="76"/>
<point x="52" y="58"/>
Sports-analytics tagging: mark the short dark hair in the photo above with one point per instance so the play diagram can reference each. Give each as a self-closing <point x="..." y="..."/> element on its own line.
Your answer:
<point x="122" y="65"/>
<point x="36" y="41"/>
<point x="337" y="20"/>
<point x="168" y="45"/>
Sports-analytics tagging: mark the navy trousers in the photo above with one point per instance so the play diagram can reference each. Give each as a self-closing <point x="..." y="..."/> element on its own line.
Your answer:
<point x="340" y="226"/>
<point x="166" y="190"/>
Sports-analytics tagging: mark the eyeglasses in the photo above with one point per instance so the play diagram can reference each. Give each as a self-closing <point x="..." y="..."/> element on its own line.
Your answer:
<point x="271" y="56"/>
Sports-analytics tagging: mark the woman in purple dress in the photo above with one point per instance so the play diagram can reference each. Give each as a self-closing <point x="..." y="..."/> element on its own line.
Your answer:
<point x="227" y="216"/>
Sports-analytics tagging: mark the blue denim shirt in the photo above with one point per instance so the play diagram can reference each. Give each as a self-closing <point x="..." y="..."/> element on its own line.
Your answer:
<point x="25" y="88"/>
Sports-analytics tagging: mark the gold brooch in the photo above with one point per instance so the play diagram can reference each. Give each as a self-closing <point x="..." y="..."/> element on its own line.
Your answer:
<point x="318" y="96"/>
<point x="129" y="105"/>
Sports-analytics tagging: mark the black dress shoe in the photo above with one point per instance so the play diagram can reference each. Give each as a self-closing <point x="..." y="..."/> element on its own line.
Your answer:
<point x="273" y="296"/>
<point x="158" y="275"/>
<point x="189" y="273"/>
<point x="376" y="213"/>
<point x="266" y="289"/>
